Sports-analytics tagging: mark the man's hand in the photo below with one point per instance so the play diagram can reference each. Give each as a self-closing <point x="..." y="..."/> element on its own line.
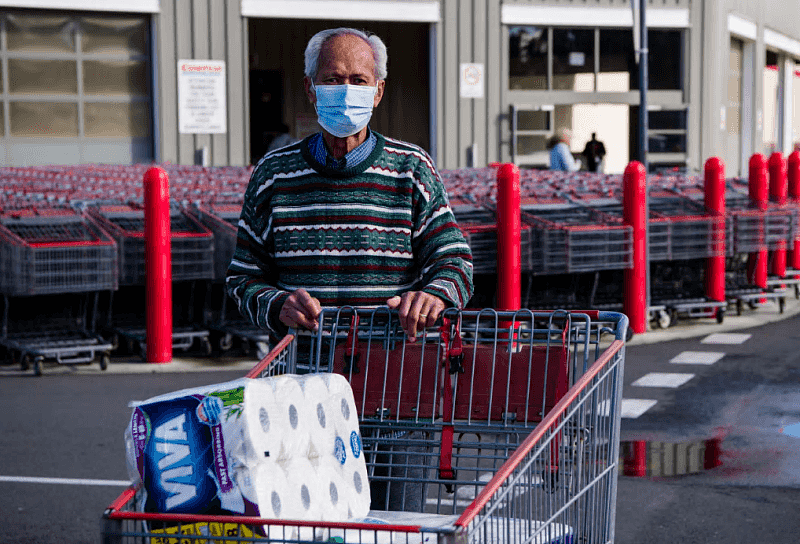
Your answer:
<point x="416" y="310"/>
<point x="301" y="310"/>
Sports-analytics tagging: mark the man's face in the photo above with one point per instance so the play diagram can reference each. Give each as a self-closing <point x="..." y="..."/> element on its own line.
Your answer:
<point x="345" y="60"/>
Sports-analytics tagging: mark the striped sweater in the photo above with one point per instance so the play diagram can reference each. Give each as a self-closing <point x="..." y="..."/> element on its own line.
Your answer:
<point x="356" y="236"/>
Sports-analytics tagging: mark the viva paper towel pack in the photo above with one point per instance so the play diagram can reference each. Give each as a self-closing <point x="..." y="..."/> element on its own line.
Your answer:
<point x="286" y="447"/>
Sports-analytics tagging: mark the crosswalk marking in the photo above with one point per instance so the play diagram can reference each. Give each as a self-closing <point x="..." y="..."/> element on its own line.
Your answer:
<point x="633" y="408"/>
<point x="726" y="338"/>
<point x="630" y="409"/>
<point x="64" y="481"/>
<point x="697" y="357"/>
<point x="663" y="379"/>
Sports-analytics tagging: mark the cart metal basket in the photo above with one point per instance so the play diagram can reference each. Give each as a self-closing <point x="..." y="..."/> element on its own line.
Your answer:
<point x="222" y="218"/>
<point x="52" y="251"/>
<point x="570" y="238"/>
<point x="493" y="427"/>
<point x="192" y="245"/>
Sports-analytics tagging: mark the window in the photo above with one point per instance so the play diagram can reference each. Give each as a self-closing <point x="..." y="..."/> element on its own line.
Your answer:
<point x="617" y="61"/>
<point x="73" y="76"/>
<point x="573" y="59"/>
<point x="666" y="137"/>
<point x="568" y="54"/>
<point x="531" y="128"/>
<point x="528" y="51"/>
<point x="664" y="61"/>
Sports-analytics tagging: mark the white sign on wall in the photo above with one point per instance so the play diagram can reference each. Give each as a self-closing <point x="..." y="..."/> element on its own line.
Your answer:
<point x="472" y="80"/>
<point x="202" y="105"/>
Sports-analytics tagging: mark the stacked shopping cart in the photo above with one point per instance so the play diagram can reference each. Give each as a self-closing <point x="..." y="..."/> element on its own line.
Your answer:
<point x="62" y="254"/>
<point x="192" y="256"/>
<point x="221" y="217"/>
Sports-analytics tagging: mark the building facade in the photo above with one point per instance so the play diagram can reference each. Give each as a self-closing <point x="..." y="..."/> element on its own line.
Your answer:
<point x="472" y="81"/>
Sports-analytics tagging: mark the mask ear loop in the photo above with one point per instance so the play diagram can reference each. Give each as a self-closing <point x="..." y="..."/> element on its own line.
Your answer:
<point x="316" y="98"/>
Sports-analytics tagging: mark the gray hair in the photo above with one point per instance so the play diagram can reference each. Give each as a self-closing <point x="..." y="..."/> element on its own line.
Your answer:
<point x="316" y="42"/>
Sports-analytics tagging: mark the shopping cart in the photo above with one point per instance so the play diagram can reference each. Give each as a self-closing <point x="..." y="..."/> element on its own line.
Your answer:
<point x="571" y="238"/>
<point x="681" y="235"/>
<point x="222" y="316"/>
<point x="755" y="230"/>
<point x="59" y="253"/>
<point x="192" y="260"/>
<point x="493" y="427"/>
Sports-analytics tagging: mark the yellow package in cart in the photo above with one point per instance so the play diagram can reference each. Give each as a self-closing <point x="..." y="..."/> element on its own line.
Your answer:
<point x="218" y="532"/>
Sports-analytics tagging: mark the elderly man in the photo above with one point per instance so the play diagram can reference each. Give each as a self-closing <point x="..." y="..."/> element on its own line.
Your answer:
<point x="347" y="216"/>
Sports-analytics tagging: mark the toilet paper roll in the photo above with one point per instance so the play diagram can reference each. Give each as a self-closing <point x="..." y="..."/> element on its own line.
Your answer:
<point x="263" y="418"/>
<point x="344" y="498"/>
<point x="293" y="417"/>
<point x="322" y="425"/>
<point x="338" y="384"/>
<point x="359" y="499"/>
<point x="349" y="432"/>
<point x="272" y="490"/>
<point x="333" y="505"/>
<point x="304" y="501"/>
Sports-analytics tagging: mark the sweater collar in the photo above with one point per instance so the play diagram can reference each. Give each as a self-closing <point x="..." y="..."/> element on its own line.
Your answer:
<point x="355" y="162"/>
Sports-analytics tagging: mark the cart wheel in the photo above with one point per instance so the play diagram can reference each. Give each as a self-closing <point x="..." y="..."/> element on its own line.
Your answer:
<point x="114" y="342"/>
<point x="753" y="304"/>
<point x="104" y="360"/>
<point x="720" y="315"/>
<point x="796" y="291"/>
<point x="37" y="366"/>
<point x="226" y="342"/>
<point x="629" y="334"/>
<point x="739" y="307"/>
<point x="781" y="304"/>
<point x="143" y="352"/>
<point x="207" y="346"/>
<point x="24" y="361"/>
<point x="663" y="319"/>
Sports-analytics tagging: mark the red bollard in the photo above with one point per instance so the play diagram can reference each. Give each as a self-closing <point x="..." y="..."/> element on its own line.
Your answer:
<point x="635" y="462"/>
<point x="158" y="266"/>
<point x="759" y="195"/>
<point x="509" y="292"/>
<point x="715" y="205"/>
<point x="509" y="254"/>
<point x="634" y="186"/>
<point x="793" y="177"/>
<point x="777" y="193"/>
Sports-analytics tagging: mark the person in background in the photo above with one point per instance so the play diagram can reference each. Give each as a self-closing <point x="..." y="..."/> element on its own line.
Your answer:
<point x="594" y="152"/>
<point x="349" y="217"/>
<point x="560" y="156"/>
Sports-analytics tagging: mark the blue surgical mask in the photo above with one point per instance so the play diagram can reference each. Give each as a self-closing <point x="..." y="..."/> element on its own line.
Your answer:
<point x="343" y="110"/>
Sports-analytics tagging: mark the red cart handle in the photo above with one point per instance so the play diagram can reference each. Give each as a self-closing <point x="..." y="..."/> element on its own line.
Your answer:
<point x="452" y="353"/>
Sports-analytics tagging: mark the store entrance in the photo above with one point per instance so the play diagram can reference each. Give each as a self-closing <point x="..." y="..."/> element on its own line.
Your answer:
<point x="266" y="111"/>
<point x="277" y="95"/>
